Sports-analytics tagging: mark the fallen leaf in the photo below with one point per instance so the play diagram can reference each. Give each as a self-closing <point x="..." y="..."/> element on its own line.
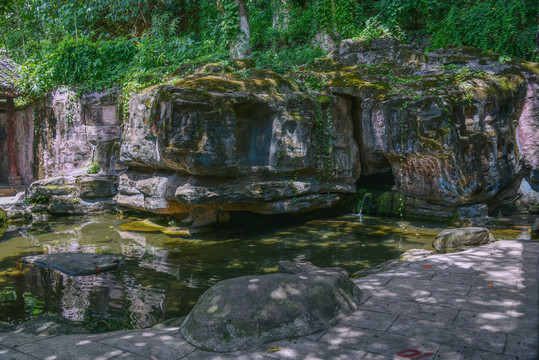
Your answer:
<point x="274" y="349"/>
<point x="427" y="266"/>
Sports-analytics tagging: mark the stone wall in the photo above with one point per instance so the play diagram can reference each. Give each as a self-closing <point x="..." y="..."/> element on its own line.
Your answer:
<point x="4" y="166"/>
<point x="63" y="133"/>
<point x="24" y="144"/>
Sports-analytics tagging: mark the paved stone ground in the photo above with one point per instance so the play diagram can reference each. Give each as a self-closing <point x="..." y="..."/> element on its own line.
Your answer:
<point x="477" y="304"/>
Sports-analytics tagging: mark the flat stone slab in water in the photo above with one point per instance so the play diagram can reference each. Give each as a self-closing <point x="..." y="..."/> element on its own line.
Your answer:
<point x="75" y="264"/>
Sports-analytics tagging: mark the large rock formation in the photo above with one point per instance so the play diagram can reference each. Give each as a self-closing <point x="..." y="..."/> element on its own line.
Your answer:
<point x="218" y="143"/>
<point x="443" y="124"/>
<point x="455" y="131"/>
<point x="64" y="132"/>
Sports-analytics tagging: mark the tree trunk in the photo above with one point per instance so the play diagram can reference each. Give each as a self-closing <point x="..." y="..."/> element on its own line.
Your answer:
<point x="19" y="26"/>
<point x="281" y="15"/>
<point x="241" y="47"/>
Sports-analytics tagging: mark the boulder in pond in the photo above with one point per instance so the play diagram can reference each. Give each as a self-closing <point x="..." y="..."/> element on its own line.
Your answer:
<point x="75" y="264"/>
<point x="250" y="310"/>
<point x="461" y="239"/>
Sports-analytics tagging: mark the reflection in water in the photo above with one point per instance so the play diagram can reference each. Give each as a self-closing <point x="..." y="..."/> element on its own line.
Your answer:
<point x="163" y="276"/>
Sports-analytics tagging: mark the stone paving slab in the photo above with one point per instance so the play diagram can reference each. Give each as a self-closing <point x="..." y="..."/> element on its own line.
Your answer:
<point x="12" y="354"/>
<point x="464" y="302"/>
<point x="370" y="320"/>
<point x="204" y="355"/>
<point x="14" y="339"/>
<point x="462" y="353"/>
<point x="440" y="307"/>
<point x="147" y="343"/>
<point x="450" y="334"/>
<point x="522" y="346"/>
<point x="68" y="348"/>
<point x="378" y="342"/>
<point x="411" y="309"/>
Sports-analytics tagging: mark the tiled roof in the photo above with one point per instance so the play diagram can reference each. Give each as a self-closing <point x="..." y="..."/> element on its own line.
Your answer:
<point x="8" y="74"/>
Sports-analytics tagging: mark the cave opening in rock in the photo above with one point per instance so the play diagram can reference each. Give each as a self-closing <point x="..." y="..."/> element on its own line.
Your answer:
<point x="253" y="134"/>
<point x="369" y="134"/>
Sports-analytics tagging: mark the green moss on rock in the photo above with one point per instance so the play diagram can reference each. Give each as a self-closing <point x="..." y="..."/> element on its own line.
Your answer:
<point x="142" y="226"/>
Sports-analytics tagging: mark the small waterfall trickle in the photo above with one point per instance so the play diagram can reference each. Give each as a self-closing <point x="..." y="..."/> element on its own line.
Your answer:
<point x="367" y="197"/>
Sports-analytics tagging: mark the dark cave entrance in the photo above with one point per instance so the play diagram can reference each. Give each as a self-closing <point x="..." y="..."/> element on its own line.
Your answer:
<point x="253" y="134"/>
<point x="369" y="134"/>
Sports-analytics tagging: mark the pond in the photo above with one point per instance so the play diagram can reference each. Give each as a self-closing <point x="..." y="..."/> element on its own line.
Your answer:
<point x="163" y="276"/>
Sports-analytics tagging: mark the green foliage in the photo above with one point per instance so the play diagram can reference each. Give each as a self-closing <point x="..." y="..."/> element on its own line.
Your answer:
<point x="337" y="17"/>
<point x="32" y="305"/>
<point x="93" y="168"/>
<point x="40" y="199"/>
<point x="374" y="28"/>
<point x="7" y="294"/>
<point x="130" y="44"/>
<point x="503" y="26"/>
<point x="287" y="57"/>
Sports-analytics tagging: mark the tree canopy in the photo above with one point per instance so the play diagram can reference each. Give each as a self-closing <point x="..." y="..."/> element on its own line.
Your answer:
<point x="111" y="43"/>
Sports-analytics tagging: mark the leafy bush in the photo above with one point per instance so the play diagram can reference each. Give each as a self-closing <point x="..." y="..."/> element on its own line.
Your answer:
<point x="93" y="168"/>
<point x="129" y="44"/>
<point x="374" y="28"/>
<point x="285" y="58"/>
<point x="504" y="26"/>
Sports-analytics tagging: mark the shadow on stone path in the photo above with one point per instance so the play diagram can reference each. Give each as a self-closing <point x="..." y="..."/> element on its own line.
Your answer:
<point x="478" y="304"/>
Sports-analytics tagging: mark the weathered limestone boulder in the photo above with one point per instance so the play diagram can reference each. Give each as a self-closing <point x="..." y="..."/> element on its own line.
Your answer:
<point x="69" y="195"/>
<point x="75" y="264"/>
<point x="454" y="129"/>
<point x="528" y="195"/>
<point x="433" y="127"/>
<point x="216" y="143"/>
<point x="251" y="310"/>
<point x="97" y="186"/>
<point x="462" y="238"/>
<point x="68" y="132"/>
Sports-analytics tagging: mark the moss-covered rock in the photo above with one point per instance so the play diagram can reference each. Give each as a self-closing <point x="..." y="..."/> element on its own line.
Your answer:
<point x="250" y="310"/>
<point x="443" y="124"/>
<point x="142" y="226"/>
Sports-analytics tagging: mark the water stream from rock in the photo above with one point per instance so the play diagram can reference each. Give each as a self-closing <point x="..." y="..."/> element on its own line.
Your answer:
<point x="163" y="276"/>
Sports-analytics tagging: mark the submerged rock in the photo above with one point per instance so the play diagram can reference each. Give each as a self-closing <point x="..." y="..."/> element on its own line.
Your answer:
<point x="462" y="238"/>
<point x="142" y="226"/>
<point x="251" y="310"/>
<point x="75" y="264"/>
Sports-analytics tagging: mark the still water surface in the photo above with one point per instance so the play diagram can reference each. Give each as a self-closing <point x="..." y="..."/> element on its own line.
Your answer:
<point x="163" y="276"/>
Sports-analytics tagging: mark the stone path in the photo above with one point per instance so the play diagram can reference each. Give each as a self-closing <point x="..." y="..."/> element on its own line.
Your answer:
<point x="478" y="304"/>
